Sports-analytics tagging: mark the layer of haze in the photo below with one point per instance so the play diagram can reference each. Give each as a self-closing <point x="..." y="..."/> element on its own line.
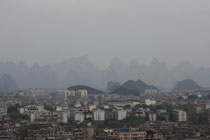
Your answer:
<point x="48" y="31"/>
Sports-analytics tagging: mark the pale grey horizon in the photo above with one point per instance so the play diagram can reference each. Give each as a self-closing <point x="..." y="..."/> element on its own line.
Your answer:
<point x="49" y="31"/>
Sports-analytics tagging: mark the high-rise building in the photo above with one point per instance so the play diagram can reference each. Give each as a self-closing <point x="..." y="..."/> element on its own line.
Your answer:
<point x="99" y="115"/>
<point x="82" y="93"/>
<point x="121" y="114"/>
<point x="35" y="92"/>
<point x="179" y="115"/>
<point x="151" y="116"/>
<point x="79" y="117"/>
<point x="64" y="94"/>
<point x="3" y="109"/>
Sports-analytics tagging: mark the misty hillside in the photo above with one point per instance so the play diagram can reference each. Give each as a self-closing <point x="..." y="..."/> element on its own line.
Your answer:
<point x="125" y="91"/>
<point x="187" y="85"/>
<point x="137" y="85"/>
<point x="77" y="71"/>
<point x="80" y="70"/>
<point x="89" y="89"/>
<point x="133" y="87"/>
<point x="7" y="84"/>
<point x="111" y="86"/>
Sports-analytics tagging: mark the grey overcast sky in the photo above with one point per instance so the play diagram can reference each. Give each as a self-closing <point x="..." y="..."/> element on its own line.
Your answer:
<point x="48" y="31"/>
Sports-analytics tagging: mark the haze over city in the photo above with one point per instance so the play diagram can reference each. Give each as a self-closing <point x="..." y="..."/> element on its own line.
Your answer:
<point x="104" y="69"/>
<point x="51" y="31"/>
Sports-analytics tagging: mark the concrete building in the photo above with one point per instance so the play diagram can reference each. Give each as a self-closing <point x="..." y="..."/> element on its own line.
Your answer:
<point x="110" y="115"/>
<point x="151" y="91"/>
<point x="99" y="115"/>
<point x="65" y="117"/>
<point x="7" y="138"/>
<point x="198" y="109"/>
<point x="72" y="93"/>
<point x="35" y="93"/>
<point x="123" y="103"/>
<point x="79" y="117"/>
<point x="82" y="93"/>
<point x="121" y="114"/>
<point x="64" y="94"/>
<point x="31" y="109"/>
<point x="91" y="107"/>
<point x="152" y="116"/>
<point x="179" y="115"/>
<point x="128" y="135"/>
<point x="3" y="109"/>
<point x="207" y="104"/>
<point x="32" y="117"/>
<point x="150" y="102"/>
<point x="59" y="108"/>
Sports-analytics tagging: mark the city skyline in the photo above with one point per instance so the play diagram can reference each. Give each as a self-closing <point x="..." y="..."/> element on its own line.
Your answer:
<point x="104" y="70"/>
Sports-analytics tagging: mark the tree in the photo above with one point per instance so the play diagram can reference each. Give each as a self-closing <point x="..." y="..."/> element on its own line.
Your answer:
<point x="49" y="108"/>
<point x="114" y="124"/>
<point x="23" y="132"/>
<point x="161" y="118"/>
<point x="13" y="108"/>
<point x="142" y="106"/>
<point x="136" y="120"/>
<point x="17" y="115"/>
<point x="180" y="98"/>
<point x="193" y="97"/>
<point x="127" y="106"/>
<point x="185" y="107"/>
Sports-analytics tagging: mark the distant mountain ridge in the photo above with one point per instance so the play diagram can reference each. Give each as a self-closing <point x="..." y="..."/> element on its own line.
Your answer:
<point x="80" y="70"/>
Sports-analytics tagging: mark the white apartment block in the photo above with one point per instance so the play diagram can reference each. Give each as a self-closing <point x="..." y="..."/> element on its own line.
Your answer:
<point x="152" y="116"/>
<point x="82" y="93"/>
<point x="150" y="102"/>
<point x="151" y="91"/>
<point x="3" y="109"/>
<point x="99" y="115"/>
<point x="35" y="92"/>
<point x="79" y="117"/>
<point x="121" y="114"/>
<point x="179" y="115"/>
<point x="65" y="94"/>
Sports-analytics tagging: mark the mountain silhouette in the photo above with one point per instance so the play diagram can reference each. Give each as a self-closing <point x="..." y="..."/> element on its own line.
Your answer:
<point x="89" y="89"/>
<point x="133" y="87"/>
<point x="187" y="85"/>
<point x="111" y="86"/>
<point x="80" y="70"/>
<point x="7" y="84"/>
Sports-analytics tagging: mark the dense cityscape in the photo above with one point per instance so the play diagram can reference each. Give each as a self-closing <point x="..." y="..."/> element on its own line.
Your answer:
<point x="37" y="114"/>
<point x="104" y="70"/>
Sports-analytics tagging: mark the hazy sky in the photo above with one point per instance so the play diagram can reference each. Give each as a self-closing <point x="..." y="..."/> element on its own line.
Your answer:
<point x="48" y="31"/>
